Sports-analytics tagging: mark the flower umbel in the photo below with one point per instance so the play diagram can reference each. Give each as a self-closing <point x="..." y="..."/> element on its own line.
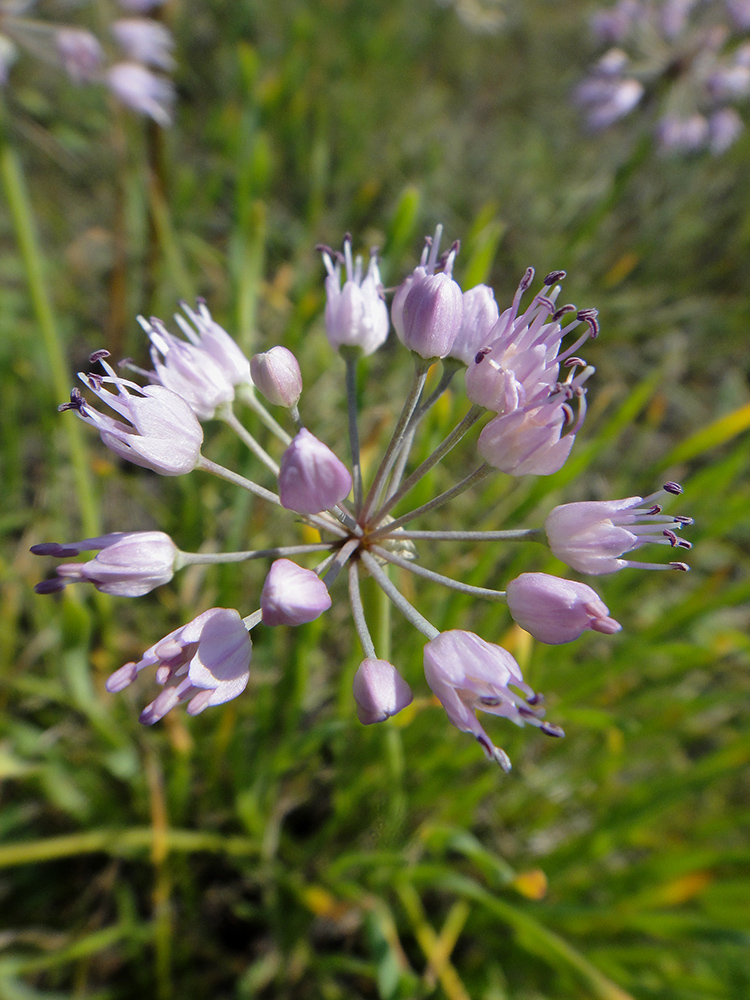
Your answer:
<point x="524" y="379"/>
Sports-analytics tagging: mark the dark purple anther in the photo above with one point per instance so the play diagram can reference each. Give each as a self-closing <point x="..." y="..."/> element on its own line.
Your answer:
<point x="98" y="356"/>
<point x="551" y="730"/>
<point x="683" y="567"/>
<point x="52" y="586"/>
<point x="673" y="488"/>
<point x="554" y="276"/>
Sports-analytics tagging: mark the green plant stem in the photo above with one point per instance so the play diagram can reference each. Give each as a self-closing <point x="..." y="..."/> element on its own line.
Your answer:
<point x="21" y="211"/>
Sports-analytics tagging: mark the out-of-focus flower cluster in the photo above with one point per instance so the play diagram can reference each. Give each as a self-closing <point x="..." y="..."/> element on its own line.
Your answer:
<point x="525" y="383"/>
<point x="133" y="63"/>
<point x="684" y="62"/>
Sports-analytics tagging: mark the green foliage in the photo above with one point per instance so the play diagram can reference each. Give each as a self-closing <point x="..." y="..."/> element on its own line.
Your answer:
<point x="274" y="847"/>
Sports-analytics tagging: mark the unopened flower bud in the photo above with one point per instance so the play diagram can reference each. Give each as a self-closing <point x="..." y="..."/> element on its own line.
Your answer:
<point x="379" y="691"/>
<point x="311" y="478"/>
<point x="555" y="610"/>
<point x="432" y="315"/>
<point x="277" y="376"/>
<point x="292" y="595"/>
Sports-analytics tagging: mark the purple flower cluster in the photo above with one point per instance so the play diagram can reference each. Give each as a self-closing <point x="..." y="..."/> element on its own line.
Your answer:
<point x="688" y="60"/>
<point x="524" y="378"/>
<point x="135" y="71"/>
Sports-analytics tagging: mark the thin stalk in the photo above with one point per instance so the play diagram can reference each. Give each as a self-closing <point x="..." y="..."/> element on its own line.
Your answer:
<point x="421" y="368"/>
<point x="358" y="612"/>
<point x="351" y="356"/>
<point x="227" y="415"/>
<point x="28" y="243"/>
<point x="339" y="561"/>
<point x="210" y="558"/>
<point x="499" y="596"/>
<point x="248" y="396"/>
<point x="450" y="367"/>
<point x="234" y="477"/>
<point x="510" y="535"/>
<point x="440" y="452"/>
<point x="474" y="477"/>
<point x="407" y="610"/>
<point x="250" y="621"/>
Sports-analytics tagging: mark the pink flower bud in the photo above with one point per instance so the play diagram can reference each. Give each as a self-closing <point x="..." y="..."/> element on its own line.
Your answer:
<point x="292" y="595"/>
<point x="379" y="691"/>
<point x="129" y="564"/>
<point x="555" y="610"/>
<point x="432" y="315"/>
<point x="480" y="314"/>
<point x="311" y="478"/>
<point x="277" y="376"/>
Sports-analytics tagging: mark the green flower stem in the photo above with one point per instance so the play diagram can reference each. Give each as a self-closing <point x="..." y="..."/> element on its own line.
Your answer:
<point x="351" y="356"/>
<point x="209" y="558"/>
<point x="509" y="535"/>
<point x="227" y="415"/>
<point x="248" y="396"/>
<point x="358" y="612"/>
<point x="471" y="480"/>
<point x="498" y="596"/>
<point x="237" y="480"/>
<point x="421" y="368"/>
<point x="28" y="242"/>
<point x="440" y="452"/>
<point x="394" y="594"/>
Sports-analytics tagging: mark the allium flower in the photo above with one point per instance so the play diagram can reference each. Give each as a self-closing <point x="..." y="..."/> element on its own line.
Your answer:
<point x="292" y="595"/>
<point x="82" y="55"/>
<point x="356" y="314"/>
<point x="593" y="536"/>
<point x="205" y="662"/>
<point x="682" y="55"/>
<point x="128" y="564"/>
<point x="161" y="433"/>
<point x="145" y="92"/>
<point x="146" y="41"/>
<point x="555" y="610"/>
<point x="513" y="385"/>
<point x="380" y="691"/>
<point x="311" y="478"/>
<point x="467" y="674"/>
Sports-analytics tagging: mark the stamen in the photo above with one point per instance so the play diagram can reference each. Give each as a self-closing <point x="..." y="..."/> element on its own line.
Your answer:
<point x="554" y="276"/>
<point x="98" y="355"/>
<point x="673" y="488"/>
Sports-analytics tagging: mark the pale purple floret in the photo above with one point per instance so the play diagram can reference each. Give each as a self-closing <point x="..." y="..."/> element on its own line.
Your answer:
<point x="480" y="314"/>
<point x="204" y="332"/>
<point x="188" y="370"/>
<point x="433" y="313"/>
<point x="145" y="41"/>
<point x="379" y="691"/>
<point x="554" y="610"/>
<point x="138" y="88"/>
<point x="159" y="431"/>
<point x="277" y="376"/>
<point x="129" y="564"/>
<point x="81" y="54"/>
<point x="205" y="662"/>
<point x="292" y="595"/>
<point x="520" y="364"/>
<point x="311" y="478"/>
<point x="468" y="674"/>
<point x="593" y="536"/>
<point x="356" y="314"/>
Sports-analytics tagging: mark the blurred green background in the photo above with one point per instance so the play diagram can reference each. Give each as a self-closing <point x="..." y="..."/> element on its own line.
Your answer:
<point x="275" y="848"/>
